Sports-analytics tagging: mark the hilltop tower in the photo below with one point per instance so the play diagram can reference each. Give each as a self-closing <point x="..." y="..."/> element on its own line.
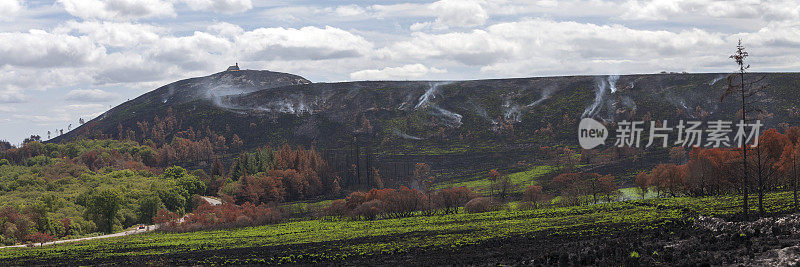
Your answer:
<point x="234" y="67"/>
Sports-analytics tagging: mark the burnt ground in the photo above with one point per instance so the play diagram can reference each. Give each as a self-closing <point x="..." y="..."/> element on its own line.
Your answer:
<point x="771" y="241"/>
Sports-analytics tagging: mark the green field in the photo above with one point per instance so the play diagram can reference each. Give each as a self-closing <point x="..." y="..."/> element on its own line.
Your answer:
<point x="481" y="183"/>
<point x="331" y="239"/>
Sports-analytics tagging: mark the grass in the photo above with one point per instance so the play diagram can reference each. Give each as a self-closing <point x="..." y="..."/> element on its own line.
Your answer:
<point x="326" y="239"/>
<point x="481" y="183"/>
<point x="632" y="193"/>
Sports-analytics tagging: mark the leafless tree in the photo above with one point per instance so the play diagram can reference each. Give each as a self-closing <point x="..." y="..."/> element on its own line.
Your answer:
<point x="750" y="91"/>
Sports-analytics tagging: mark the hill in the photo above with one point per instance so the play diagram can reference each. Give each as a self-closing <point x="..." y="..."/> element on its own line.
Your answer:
<point x="461" y="128"/>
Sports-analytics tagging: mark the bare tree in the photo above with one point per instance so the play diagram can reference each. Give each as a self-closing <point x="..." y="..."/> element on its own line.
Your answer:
<point x="749" y="90"/>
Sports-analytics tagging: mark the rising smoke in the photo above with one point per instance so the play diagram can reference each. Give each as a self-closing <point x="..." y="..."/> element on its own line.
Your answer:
<point x="513" y="112"/>
<point x="546" y="92"/>
<point x="449" y="118"/>
<point x="405" y="135"/>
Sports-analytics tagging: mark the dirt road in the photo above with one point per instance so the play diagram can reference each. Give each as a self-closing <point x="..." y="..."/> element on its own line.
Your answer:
<point x="124" y="233"/>
<point x="210" y="200"/>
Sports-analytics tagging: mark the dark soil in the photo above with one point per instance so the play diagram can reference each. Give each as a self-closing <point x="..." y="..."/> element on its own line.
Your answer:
<point x="680" y="243"/>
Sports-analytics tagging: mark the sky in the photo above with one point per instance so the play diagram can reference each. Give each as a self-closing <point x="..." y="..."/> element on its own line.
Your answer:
<point x="64" y="60"/>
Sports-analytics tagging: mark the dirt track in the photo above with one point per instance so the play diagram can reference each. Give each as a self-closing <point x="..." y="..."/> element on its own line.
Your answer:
<point x="212" y="201"/>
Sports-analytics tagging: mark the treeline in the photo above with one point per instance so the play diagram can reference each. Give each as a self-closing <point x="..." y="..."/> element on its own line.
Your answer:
<point x="397" y="203"/>
<point x="107" y="185"/>
<point x="773" y="165"/>
<point x="227" y="215"/>
<point x="269" y="176"/>
<point x="579" y="188"/>
<point x="87" y="202"/>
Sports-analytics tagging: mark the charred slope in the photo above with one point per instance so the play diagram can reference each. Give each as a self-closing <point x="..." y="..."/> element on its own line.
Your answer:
<point x="194" y="90"/>
<point x="455" y="125"/>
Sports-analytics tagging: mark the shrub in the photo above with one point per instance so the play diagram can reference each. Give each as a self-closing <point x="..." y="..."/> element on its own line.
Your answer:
<point x="533" y="196"/>
<point x="337" y="208"/>
<point x="39" y="237"/>
<point x="449" y="199"/>
<point x="369" y="210"/>
<point x="223" y="216"/>
<point x="482" y="204"/>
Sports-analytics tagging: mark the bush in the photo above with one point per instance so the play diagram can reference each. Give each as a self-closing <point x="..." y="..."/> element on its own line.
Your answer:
<point x="39" y="237"/>
<point x="223" y="216"/>
<point x="533" y="196"/>
<point x="450" y="199"/>
<point x="482" y="204"/>
<point x="369" y="210"/>
<point x="398" y="203"/>
<point x="337" y="208"/>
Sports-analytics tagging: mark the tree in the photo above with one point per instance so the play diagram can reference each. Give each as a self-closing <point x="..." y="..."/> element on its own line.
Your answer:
<point x="192" y="185"/>
<point x="591" y="181"/>
<point x="33" y="138"/>
<point x="217" y="169"/>
<point x="765" y="159"/>
<point x="642" y="181"/>
<point x="669" y="179"/>
<point x="748" y="90"/>
<point x="236" y="142"/>
<point x="492" y="175"/>
<point x="504" y="186"/>
<point x="451" y="198"/>
<point x="790" y="167"/>
<point x="39" y="237"/>
<point x="534" y="195"/>
<point x="677" y="155"/>
<point x="377" y="182"/>
<point x="148" y="208"/>
<point x="570" y="186"/>
<point x="608" y="187"/>
<point x="102" y="208"/>
<point x="174" y="172"/>
<point x="422" y="176"/>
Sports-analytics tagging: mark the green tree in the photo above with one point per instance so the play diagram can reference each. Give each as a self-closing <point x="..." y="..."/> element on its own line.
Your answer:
<point x="102" y="207"/>
<point x="173" y="198"/>
<point x="192" y="185"/>
<point x="148" y="208"/>
<point x="174" y="172"/>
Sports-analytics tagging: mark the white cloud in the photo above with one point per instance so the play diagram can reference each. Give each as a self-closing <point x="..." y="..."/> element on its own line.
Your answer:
<point x="304" y="43"/>
<point x="533" y="46"/>
<point x="90" y="95"/>
<point x="9" y="9"/>
<point x="18" y="79"/>
<point x="768" y="10"/>
<point x="43" y="119"/>
<point x="477" y="47"/>
<point x="220" y="6"/>
<point x="83" y="107"/>
<point x="349" y="10"/>
<point x="395" y="73"/>
<point x="225" y="29"/>
<point x="9" y="96"/>
<point x="38" y="48"/>
<point x="458" y="13"/>
<point x="114" y="34"/>
<point x="118" y="9"/>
